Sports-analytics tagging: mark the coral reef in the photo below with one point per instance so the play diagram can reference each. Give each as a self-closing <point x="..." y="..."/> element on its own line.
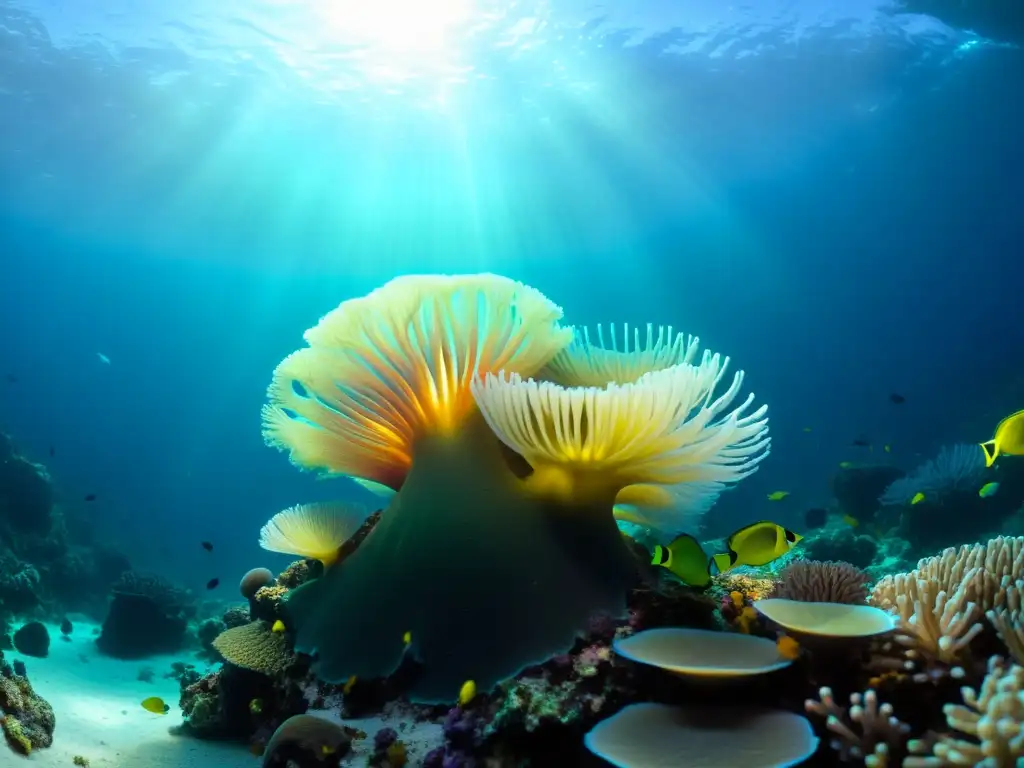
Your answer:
<point x="822" y="582"/>
<point x="147" y="616"/>
<point x="26" y="718"/>
<point x="33" y="639"/>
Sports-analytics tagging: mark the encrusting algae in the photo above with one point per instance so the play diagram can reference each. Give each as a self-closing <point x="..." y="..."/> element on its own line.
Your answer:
<point x="500" y="542"/>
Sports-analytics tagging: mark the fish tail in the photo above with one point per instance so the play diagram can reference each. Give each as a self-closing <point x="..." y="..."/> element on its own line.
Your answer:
<point x="991" y="452"/>
<point x="722" y="561"/>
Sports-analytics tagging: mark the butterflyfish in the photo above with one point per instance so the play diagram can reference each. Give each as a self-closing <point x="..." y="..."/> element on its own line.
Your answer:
<point x="1008" y="439"/>
<point x="685" y="559"/>
<point x="467" y="693"/>
<point x="918" y="498"/>
<point x="155" y="705"/>
<point x="777" y="495"/>
<point x="756" y="544"/>
<point x="278" y="626"/>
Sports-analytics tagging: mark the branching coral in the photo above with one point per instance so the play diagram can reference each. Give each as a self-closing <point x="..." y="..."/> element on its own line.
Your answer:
<point x="988" y="727"/>
<point x="867" y="730"/>
<point x="822" y="582"/>
<point x="481" y="540"/>
<point x="941" y="602"/>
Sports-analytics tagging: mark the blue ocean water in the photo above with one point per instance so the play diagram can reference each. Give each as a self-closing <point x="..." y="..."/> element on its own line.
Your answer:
<point x="830" y="193"/>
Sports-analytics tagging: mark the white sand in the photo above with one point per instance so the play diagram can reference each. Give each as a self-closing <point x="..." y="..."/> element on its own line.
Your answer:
<point x="99" y="716"/>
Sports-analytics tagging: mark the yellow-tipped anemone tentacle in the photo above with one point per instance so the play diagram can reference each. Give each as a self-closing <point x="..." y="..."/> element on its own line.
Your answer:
<point x="383" y="370"/>
<point x="665" y="428"/>
<point x="585" y="363"/>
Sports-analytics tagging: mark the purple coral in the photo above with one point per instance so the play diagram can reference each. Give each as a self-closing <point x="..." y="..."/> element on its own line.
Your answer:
<point x="384" y="738"/>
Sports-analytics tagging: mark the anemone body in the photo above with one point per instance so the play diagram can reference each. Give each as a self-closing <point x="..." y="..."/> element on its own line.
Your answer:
<point x="487" y="578"/>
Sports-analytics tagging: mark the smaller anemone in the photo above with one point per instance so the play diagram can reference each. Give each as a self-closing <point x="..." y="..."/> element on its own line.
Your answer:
<point x="816" y="581"/>
<point x="314" y="531"/>
<point x="659" y="735"/>
<point x="586" y="364"/>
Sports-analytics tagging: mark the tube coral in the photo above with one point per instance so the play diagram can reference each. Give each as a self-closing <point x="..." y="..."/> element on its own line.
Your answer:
<point x="314" y="531"/>
<point x="482" y="568"/>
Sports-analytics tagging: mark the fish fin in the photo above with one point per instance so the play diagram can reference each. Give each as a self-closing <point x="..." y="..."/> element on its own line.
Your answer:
<point x="991" y="452"/>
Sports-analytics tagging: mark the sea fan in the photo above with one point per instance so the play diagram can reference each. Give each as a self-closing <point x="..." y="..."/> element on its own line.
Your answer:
<point x="956" y="468"/>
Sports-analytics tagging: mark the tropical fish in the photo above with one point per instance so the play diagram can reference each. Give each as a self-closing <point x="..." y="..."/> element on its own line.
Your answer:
<point x="1008" y="439"/>
<point x="256" y="706"/>
<point x="467" y="693"/>
<point x="278" y="626"/>
<point x="897" y="398"/>
<point x="846" y="465"/>
<point x="686" y="559"/>
<point x="65" y="626"/>
<point x="208" y="546"/>
<point x="349" y="685"/>
<point x="212" y="583"/>
<point x="777" y="495"/>
<point x="888" y="448"/>
<point x="788" y="647"/>
<point x="861" y="442"/>
<point x="851" y="521"/>
<point x="815" y="518"/>
<point x="407" y="638"/>
<point x="103" y="358"/>
<point x="155" y="705"/>
<point x="756" y="544"/>
<point x="918" y="498"/>
<point x="988" y="489"/>
<point x="90" y="497"/>
<point x="807" y="429"/>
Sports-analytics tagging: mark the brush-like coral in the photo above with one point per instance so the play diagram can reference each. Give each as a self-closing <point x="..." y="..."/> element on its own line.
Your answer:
<point x="867" y="731"/>
<point x="472" y="546"/>
<point x="957" y="467"/>
<point x="988" y="728"/>
<point x="815" y="581"/>
<point x="315" y="531"/>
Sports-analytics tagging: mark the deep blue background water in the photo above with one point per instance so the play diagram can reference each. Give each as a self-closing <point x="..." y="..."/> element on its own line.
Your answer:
<point x="831" y="197"/>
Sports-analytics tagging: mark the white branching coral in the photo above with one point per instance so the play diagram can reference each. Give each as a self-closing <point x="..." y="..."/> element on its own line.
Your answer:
<point x="988" y="728"/>
<point x="867" y="731"/>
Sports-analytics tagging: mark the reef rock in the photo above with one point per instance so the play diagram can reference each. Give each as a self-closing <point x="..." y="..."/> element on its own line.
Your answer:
<point x="857" y="488"/>
<point x="26" y="496"/>
<point x="147" y="616"/>
<point x="28" y="720"/>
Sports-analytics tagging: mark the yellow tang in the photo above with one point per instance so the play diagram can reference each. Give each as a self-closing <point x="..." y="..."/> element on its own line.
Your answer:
<point x="278" y="626"/>
<point x="756" y="544"/>
<point x="1008" y="439"/>
<point x="777" y="495"/>
<point x="988" y="489"/>
<point x="467" y="693"/>
<point x="918" y="498"/>
<point x="155" y="705"/>
<point x="686" y="559"/>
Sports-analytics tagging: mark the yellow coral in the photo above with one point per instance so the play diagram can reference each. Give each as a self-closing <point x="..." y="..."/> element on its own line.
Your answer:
<point x="15" y="735"/>
<point x="254" y="646"/>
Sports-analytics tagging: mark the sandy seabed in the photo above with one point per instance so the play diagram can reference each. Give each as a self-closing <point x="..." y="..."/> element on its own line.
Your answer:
<point x="97" y="702"/>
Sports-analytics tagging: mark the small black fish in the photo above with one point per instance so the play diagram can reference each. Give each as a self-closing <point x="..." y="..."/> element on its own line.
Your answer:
<point x="212" y="583"/>
<point x="91" y="497"/>
<point x="815" y="518"/>
<point x="897" y="398"/>
<point x="65" y="626"/>
<point x="862" y="442"/>
<point x="208" y="546"/>
<point x="19" y="667"/>
<point x="51" y="451"/>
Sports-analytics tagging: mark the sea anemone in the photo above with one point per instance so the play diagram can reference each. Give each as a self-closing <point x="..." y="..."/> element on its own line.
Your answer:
<point x="500" y="541"/>
<point x="314" y="531"/>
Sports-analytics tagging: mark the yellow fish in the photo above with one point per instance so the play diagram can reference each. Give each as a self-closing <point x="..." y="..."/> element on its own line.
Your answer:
<point x="918" y="498"/>
<point x="349" y="685"/>
<point x="255" y="706"/>
<point x="467" y="693"/>
<point x="756" y="544"/>
<point x="888" y="449"/>
<point x="988" y="489"/>
<point x="788" y="647"/>
<point x="851" y="521"/>
<point x="1008" y="439"/>
<point x="407" y="638"/>
<point x="155" y="705"/>
<point x="845" y="464"/>
<point x="685" y="558"/>
<point x="777" y="495"/>
<point x="278" y="626"/>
